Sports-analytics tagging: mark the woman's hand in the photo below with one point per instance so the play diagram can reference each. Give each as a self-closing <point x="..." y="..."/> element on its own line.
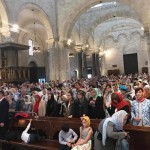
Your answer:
<point x="126" y="134"/>
<point x="69" y="144"/>
<point x="71" y="141"/>
<point x="1" y="124"/>
<point x="92" y="102"/>
<point x="70" y="116"/>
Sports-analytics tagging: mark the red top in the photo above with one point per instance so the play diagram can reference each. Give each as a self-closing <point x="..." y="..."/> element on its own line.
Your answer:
<point x="36" y="105"/>
<point x="121" y="102"/>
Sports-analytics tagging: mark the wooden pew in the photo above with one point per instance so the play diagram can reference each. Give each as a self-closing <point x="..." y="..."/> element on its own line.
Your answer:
<point x="51" y="126"/>
<point x="139" y="137"/>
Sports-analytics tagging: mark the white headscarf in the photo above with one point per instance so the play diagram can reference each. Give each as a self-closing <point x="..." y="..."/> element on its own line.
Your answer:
<point x="117" y="120"/>
<point x="29" y="100"/>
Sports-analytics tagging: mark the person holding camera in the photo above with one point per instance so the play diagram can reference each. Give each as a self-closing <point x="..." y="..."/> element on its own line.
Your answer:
<point x="29" y="137"/>
<point x="110" y="131"/>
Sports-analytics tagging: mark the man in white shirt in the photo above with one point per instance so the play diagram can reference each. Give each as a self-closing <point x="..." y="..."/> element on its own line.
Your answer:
<point x="28" y="138"/>
<point x="67" y="137"/>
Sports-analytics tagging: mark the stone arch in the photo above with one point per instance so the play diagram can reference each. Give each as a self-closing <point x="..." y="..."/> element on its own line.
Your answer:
<point x="4" y="18"/>
<point x="76" y="14"/>
<point x="109" y="38"/>
<point x="25" y="36"/>
<point x="33" y="63"/>
<point x="104" y="31"/>
<point x="75" y="34"/>
<point x="121" y="35"/>
<point x="108" y="15"/>
<point x="91" y="41"/>
<point x="136" y="33"/>
<point x="44" y="19"/>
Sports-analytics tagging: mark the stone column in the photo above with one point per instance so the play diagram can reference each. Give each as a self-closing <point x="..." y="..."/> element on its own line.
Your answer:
<point x="79" y="58"/>
<point x="84" y="65"/>
<point x="147" y="37"/>
<point x="58" y="62"/>
<point x="97" y="65"/>
<point x="53" y="64"/>
<point x="0" y="58"/>
<point x="94" y="71"/>
<point x="64" y="62"/>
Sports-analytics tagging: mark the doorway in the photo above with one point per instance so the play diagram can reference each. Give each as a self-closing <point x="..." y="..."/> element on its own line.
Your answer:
<point x="130" y="63"/>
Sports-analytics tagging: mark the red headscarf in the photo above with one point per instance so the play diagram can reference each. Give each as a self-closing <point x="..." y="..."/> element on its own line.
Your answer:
<point x="121" y="102"/>
<point x="36" y="105"/>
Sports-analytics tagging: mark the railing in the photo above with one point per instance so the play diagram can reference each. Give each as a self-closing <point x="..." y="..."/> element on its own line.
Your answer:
<point x="11" y="74"/>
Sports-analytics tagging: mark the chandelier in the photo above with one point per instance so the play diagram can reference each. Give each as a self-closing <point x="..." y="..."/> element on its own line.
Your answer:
<point x="36" y="47"/>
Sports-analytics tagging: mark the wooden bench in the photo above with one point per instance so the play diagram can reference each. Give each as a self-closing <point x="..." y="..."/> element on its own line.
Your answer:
<point x="45" y="145"/>
<point x="51" y="126"/>
<point x="44" y="125"/>
<point x="139" y="137"/>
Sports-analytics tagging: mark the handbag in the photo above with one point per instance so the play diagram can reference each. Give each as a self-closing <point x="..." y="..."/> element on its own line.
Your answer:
<point x="21" y="115"/>
<point x="99" y="135"/>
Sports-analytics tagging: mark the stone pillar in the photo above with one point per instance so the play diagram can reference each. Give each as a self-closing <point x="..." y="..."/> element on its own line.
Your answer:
<point x="58" y="62"/>
<point x="0" y="58"/>
<point x="147" y="35"/>
<point x="94" y="71"/>
<point x="79" y="58"/>
<point x="64" y="69"/>
<point x="97" y="65"/>
<point x="84" y="65"/>
<point x="53" y="64"/>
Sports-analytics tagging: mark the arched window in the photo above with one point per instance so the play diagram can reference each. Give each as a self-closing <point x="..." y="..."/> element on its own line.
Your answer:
<point x="30" y="43"/>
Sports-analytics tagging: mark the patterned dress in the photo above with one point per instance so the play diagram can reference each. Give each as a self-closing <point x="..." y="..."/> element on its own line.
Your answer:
<point x="145" y="112"/>
<point x="86" y="146"/>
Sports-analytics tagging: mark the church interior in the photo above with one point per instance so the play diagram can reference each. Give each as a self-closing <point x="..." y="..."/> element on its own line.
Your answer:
<point x="89" y="38"/>
<point x="75" y="68"/>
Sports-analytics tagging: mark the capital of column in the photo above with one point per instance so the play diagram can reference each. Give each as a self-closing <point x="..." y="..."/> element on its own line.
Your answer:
<point x="7" y="36"/>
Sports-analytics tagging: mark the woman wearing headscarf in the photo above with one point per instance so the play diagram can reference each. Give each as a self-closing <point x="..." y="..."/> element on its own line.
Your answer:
<point x="70" y="106"/>
<point x="45" y="95"/>
<point x="26" y="105"/>
<point x="39" y="106"/>
<point x="81" y="103"/>
<point x="96" y="105"/>
<point x="51" y="106"/>
<point x="110" y="131"/>
<point x="118" y="104"/>
<point x="140" y="109"/>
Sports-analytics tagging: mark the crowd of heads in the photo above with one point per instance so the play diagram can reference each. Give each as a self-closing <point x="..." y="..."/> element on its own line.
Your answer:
<point x="77" y="97"/>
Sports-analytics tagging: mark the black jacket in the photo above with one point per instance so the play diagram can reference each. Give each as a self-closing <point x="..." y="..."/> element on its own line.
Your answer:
<point x="4" y="108"/>
<point x="98" y="110"/>
<point x="51" y="108"/>
<point x="81" y="108"/>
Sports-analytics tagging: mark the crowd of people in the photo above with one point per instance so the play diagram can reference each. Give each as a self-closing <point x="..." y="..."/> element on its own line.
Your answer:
<point x="97" y="98"/>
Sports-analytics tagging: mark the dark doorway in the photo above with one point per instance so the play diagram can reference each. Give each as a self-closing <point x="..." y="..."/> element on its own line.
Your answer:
<point x="32" y="64"/>
<point x="130" y="63"/>
<point x="37" y="73"/>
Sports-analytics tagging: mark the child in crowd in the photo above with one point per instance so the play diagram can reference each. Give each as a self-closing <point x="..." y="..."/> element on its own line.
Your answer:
<point x="67" y="137"/>
<point x="84" y="142"/>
